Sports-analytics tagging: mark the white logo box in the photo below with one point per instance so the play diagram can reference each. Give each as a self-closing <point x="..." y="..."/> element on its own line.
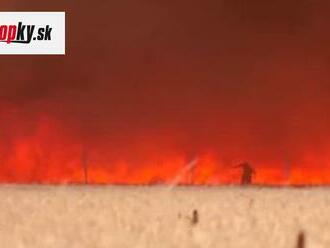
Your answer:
<point x="50" y="24"/>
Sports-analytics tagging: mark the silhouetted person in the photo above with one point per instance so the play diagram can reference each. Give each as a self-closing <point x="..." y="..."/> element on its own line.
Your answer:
<point x="247" y="173"/>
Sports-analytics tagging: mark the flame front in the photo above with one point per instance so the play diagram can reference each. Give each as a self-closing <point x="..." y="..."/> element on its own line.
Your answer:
<point x="49" y="153"/>
<point x="147" y="87"/>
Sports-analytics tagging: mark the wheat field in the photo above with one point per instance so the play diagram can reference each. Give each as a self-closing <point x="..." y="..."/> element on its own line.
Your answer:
<point x="160" y="216"/>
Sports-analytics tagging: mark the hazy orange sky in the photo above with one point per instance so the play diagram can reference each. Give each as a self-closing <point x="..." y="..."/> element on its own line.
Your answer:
<point x="245" y="80"/>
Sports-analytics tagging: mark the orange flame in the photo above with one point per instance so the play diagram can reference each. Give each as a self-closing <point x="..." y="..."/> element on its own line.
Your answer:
<point x="49" y="154"/>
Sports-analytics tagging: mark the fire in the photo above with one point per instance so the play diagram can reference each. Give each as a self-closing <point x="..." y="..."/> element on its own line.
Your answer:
<point x="47" y="152"/>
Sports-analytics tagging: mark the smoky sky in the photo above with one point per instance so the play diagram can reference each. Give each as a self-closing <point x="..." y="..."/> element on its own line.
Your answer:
<point x="225" y="75"/>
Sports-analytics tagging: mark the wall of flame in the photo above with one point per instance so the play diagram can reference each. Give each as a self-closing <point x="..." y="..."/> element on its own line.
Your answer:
<point x="147" y="87"/>
<point x="40" y="149"/>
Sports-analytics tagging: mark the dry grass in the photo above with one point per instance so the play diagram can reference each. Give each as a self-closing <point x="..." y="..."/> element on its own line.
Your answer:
<point x="86" y="216"/>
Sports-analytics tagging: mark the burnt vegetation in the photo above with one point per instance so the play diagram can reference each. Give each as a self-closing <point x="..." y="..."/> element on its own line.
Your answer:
<point x="195" y="217"/>
<point x="301" y="240"/>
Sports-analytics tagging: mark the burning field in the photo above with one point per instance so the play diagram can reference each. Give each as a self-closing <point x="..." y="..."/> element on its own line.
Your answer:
<point x="155" y="94"/>
<point x="147" y="87"/>
<point x="113" y="216"/>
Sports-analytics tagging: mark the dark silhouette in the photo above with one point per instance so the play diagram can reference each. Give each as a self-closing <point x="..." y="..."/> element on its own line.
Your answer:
<point x="195" y="217"/>
<point x="84" y="161"/>
<point x="301" y="240"/>
<point x="247" y="173"/>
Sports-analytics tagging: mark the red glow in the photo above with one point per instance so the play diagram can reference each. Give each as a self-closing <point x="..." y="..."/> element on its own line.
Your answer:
<point x="48" y="153"/>
<point x="146" y="88"/>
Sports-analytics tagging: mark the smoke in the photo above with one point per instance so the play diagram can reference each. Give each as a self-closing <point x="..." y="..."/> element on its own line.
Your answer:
<point x="147" y="81"/>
